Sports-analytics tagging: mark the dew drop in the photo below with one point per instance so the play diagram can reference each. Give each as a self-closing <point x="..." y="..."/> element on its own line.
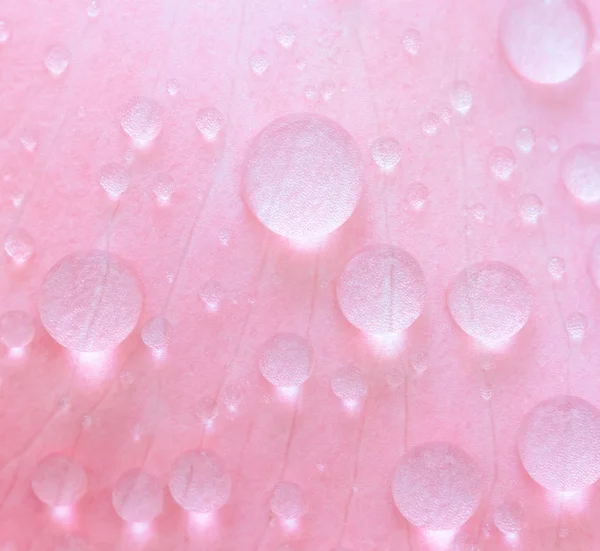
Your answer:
<point x="209" y="122"/>
<point x="556" y="268"/>
<point x="349" y="384"/>
<point x="141" y="120"/>
<point x="502" y="163"/>
<point x="172" y="87"/>
<point x="164" y="186"/>
<point x="211" y="295"/>
<point x="114" y="179"/>
<point x="285" y="34"/>
<point x="16" y="329"/>
<point x="287" y="501"/>
<point x="4" y="32"/>
<point x="461" y="97"/>
<point x="93" y="10"/>
<point x="58" y="482"/>
<point x="417" y="195"/>
<point x="259" y="62"/>
<point x="576" y="325"/>
<point x="381" y="290"/>
<point x="286" y="360"/>
<point x="509" y="518"/>
<point x="57" y="59"/>
<point x="302" y="176"/>
<point x="437" y="486"/>
<point x="530" y="208"/>
<point x="19" y="246"/>
<point x="386" y="152"/>
<point x="198" y="482"/>
<point x="559" y="444"/>
<point x="412" y="42"/>
<point x="138" y="497"/>
<point x="90" y="301"/>
<point x="581" y="172"/>
<point x="431" y="124"/>
<point x="546" y="42"/>
<point x="327" y="90"/>
<point x="156" y="334"/>
<point x="525" y="140"/>
<point x="491" y="302"/>
<point x="28" y="142"/>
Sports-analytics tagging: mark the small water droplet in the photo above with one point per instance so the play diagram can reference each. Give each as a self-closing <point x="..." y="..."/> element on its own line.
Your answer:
<point x="301" y="64"/>
<point x="4" y="32"/>
<point x="156" y="334"/>
<point x="58" y="482"/>
<point x="114" y="179"/>
<point x="209" y="122"/>
<point x="349" y="384"/>
<point x="418" y="361"/>
<point x="138" y="496"/>
<point x="172" y="87"/>
<point x="477" y="211"/>
<point x="211" y="295"/>
<point x="224" y="237"/>
<point x="16" y="329"/>
<point x="164" y="186"/>
<point x="461" y="97"/>
<point x="286" y="360"/>
<point x="57" y="59"/>
<point x="141" y="120"/>
<point x="417" y="195"/>
<point x="287" y="501"/>
<point x="509" y="518"/>
<point x="431" y="124"/>
<point x="486" y="392"/>
<point x="259" y="62"/>
<point x="502" y="163"/>
<point x="285" y="34"/>
<point x="556" y="268"/>
<point x="93" y="9"/>
<point x="553" y="144"/>
<point x="19" y="246"/>
<point x="576" y="325"/>
<point x="327" y="90"/>
<point x="530" y="208"/>
<point x="580" y="172"/>
<point x="232" y="396"/>
<point x="310" y="92"/>
<point x="28" y="142"/>
<point x="412" y="42"/>
<point x="386" y="152"/>
<point x="525" y="140"/>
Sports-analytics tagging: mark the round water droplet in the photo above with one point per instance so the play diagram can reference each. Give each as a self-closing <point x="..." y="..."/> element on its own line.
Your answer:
<point x="490" y="302"/>
<point x="416" y="195"/>
<point x="211" y="295"/>
<point x="209" y="121"/>
<point x="114" y="179"/>
<point x="302" y="177"/>
<point x="19" y="246"/>
<point x="141" y="120"/>
<point x="285" y="34"/>
<point x="412" y="42"/>
<point x="349" y="384"/>
<point x="502" y="163"/>
<point x="16" y="329"/>
<point x="559" y="444"/>
<point x="546" y="42"/>
<point x="382" y="290"/>
<point x="386" y="152"/>
<point x="198" y="482"/>
<point x="327" y="90"/>
<point x="556" y="268"/>
<point x="461" y="97"/>
<point x="287" y="501"/>
<point x="58" y="482"/>
<point x="90" y="302"/>
<point x="431" y="124"/>
<point x="509" y="518"/>
<point x="576" y="325"/>
<point x="164" y="186"/>
<point x="286" y="360"/>
<point x="437" y="486"/>
<point x="259" y="62"/>
<point x="57" y="59"/>
<point x="530" y="208"/>
<point x="581" y="172"/>
<point x="525" y="140"/>
<point x="156" y="333"/>
<point x="172" y="87"/>
<point x="4" y="32"/>
<point x="138" y="496"/>
<point x="310" y="92"/>
<point x="93" y="10"/>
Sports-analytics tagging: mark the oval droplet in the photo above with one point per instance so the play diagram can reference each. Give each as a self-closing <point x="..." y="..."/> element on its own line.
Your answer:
<point x="581" y="172"/>
<point x="138" y="496"/>
<point x="287" y="501"/>
<point x="114" y="179"/>
<point x="259" y="62"/>
<point x="556" y="268"/>
<point x="417" y="195"/>
<point x="286" y="360"/>
<point x="349" y="384"/>
<point x="57" y="59"/>
<point x="58" y="482"/>
<point x="141" y="120"/>
<point x="386" y="152"/>
<point x="16" y="329"/>
<point x="156" y="334"/>
<point x="19" y="246"/>
<point x="502" y="163"/>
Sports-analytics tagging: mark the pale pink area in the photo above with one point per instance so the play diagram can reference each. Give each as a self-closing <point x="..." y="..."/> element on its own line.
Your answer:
<point x="135" y="409"/>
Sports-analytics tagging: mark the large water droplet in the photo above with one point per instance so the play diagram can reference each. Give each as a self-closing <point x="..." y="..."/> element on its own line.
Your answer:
<point x="559" y="444"/>
<point x="286" y="360"/>
<point x="546" y="42"/>
<point x="490" y="302"/>
<point x="57" y="59"/>
<point x="58" y="482"/>
<point x="302" y="177"/>
<point x="287" y="501"/>
<point x="381" y="290"/>
<point x="386" y="153"/>
<point x="198" y="482"/>
<point x="209" y="121"/>
<point x="156" y="334"/>
<point x="437" y="486"/>
<point x="141" y="120"/>
<point x="461" y="97"/>
<point x="349" y="384"/>
<point x="16" y="329"/>
<point x="581" y="172"/>
<point x="90" y="301"/>
<point x="502" y="163"/>
<point x="114" y="179"/>
<point x="509" y="518"/>
<point x="138" y="496"/>
<point x="19" y="246"/>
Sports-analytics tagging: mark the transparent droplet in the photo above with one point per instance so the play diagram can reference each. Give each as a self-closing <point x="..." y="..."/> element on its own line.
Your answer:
<point x="19" y="246"/>
<point x="431" y="124"/>
<point x="509" y="518"/>
<point x="259" y="62"/>
<point x="386" y="152"/>
<point x="556" y="268"/>
<point x="286" y="360"/>
<point x="90" y="301"/>
<point x="156" y="334"/>
<point x="211" y="295"/>
<point x="502" y="163"/>
<point x="16" y="329"/>
<point x="285" y="34"/>
<point x="287" y="501"/>
<point x="58" y="482"/>
<point x="461" y="97"/>
<point x="559" y="444"/>
<point x="327" y="90"/>
<point x="530" y="208"/>
<point x="417" y="195"/>
<point x="164" y="186"/>
<point x="114" y="179"/>
<point x="93" y="9"/>
<point x="198" y="483"/>
<point x="57" y="59"/>
<point x="382" y="290"/>
<point x="525" y="140"/>
<point x="576" y="325"/>
<point x="138" y="496"/>
<point x="412" y="42"/>
<point x="418" y="361"/>
<point x="209" y="122"/>
<point x="141" y="120"/>
<point x="437" y="486"/>
<point x="172" y="87"/>
<point x="580" y="172"/>
<point x="349" y="384"/>
<point x="4" y="32"/>
<point x="544" y="41"/>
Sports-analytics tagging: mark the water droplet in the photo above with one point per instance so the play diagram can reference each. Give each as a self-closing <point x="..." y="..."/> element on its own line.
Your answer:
<point x="286" y="360"/>
<point x="301" y="64"/>
<point x="491" y="302"/>
<point x="576" y="325"/>
<point x="19" y="246"/>
<point x="416" y="195"/>
<point x="553" y="144"/>
<point x="310" y="92"/>
<point x="431" y="124"/>
<point x="198" y="482"/>
<point x="232" y="396"/>
<point x="93" y="10"/>
<point x="138" y="496"/>
<point x="525" y="140"/>
<point x="28" y="142"/>
<point x="156" y="334"/>
<point x="4" y="32"/>
<point x="530" y="208"/>
<point x="259" y="62"/>
<point x="114" y="179"/>
<point x="287" y="501"/>
<point x="16" y="329"/>
<point x="164" y="186"/>
<point x="285" y="34"/>
<point x="172" y="87"/>
<point x="71" y="542"/>
<point x="437" y="486"/>
<point x="412" y="42"/>
<point x="349" y="384"/>
<point x="382" y="290"/>
<point x="141" y="120"/>
<point x="546" y="42"/>
<point x="556" y="268"/>
<point x="224" y="237"/>
<point x="57" y="59"/>
<point x="509" y="518"/>
<point x="127" y="379"/>
<point x="58" y="482"/>
<point x="559" y="444"/>
<point x="386" y="152"/>
<point x="461" y="97"/>
<point x="477" y="211"/>
<point x="486" y="392"/>
<point x="327" y="90"/>
<point x="502" y="163"/>
<point x="303" y="178"/>
<point x="581" y="172"/>
<point x="209" y="122"/>
<point x="418" y="361"/>
<point x="90" y="302"/>
<point x="211" y="294"/>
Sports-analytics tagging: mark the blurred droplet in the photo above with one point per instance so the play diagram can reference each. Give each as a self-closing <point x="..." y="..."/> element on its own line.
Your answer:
<point x="211" y="295"/>
<point x="4" y="32"/>
<point x="556" y="268"/>
<point x="286" y="360"/>
<point x="259" y="62"/>
<point x="530" y="208"/>
<point x="412" y="42"/>
<point x="19" y="246"/>
<point x="156" y="334"/>
<point x="576" y="325"/>
<point x="327" y="90"/>
<point x="28" y="142"/>
<point x="16" y="329"/>
<point x="287" y="501"/>
<point x="285" y="34"/>
<point x="417" y="195"/>
<point x="461" y="97"/>
<point x="138" y="496"/>
<point x="525" y="140"/>
<point x="164" y="185"/>
<point x="386" y="152"/>
<point x="349" y="384"/>
<point x="57" y="59"/>
<point x="509" y="518"/>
